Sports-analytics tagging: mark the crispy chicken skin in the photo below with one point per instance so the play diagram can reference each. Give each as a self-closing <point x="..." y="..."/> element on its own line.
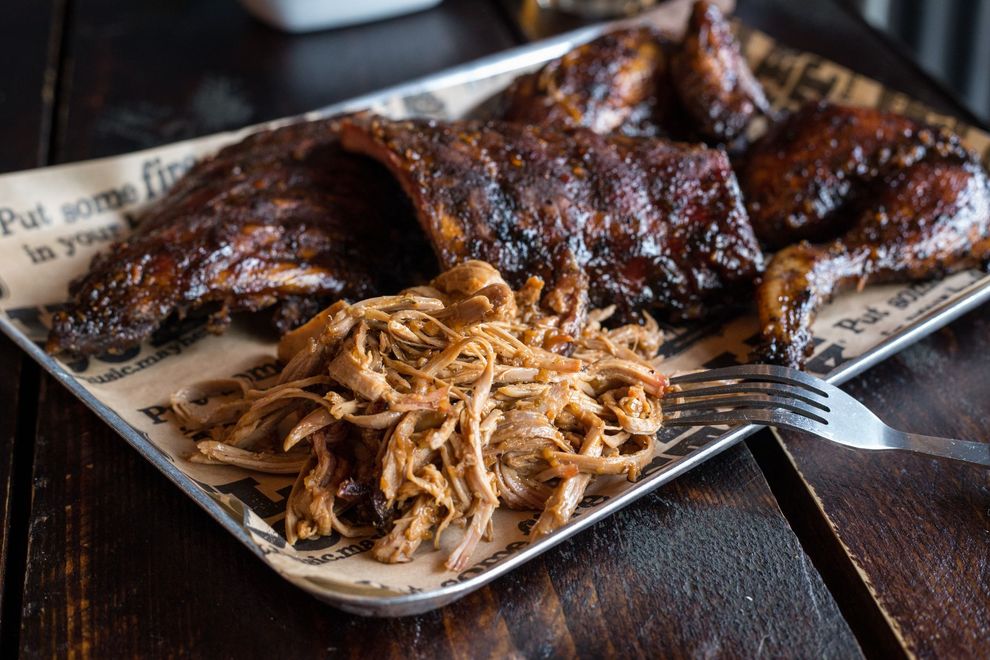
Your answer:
<point x="713" y="80"/>
<point x="920" y="222"/>
<point x="637" y="81"/>
<point x="637" y="222"/>
<point x="799" y="178"/>
<point x="285" y="215"/>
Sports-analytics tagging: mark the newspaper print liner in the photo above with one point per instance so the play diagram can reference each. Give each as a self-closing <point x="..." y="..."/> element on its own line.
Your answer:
<point x="53" y="220"/>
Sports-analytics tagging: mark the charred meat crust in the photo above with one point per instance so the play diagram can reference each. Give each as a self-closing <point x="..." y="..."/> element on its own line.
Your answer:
<point x="799" y="178"/>
<point x="924" y="219"/>
<point x="640" y="82"/>
<point x="617" y="82"/>
<point x="288" y="219"/>
<point x="647" y="222"/>
<point x="713" y="80"/>
<point x="284" y="214"/>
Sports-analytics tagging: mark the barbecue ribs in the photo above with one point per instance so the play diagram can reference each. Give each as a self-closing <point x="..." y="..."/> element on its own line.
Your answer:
<point x="887" y="199"/>
<point x="635" y="222"/>
<point x="283" y="216"/>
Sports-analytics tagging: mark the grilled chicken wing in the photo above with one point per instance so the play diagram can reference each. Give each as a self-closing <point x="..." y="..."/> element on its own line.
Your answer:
<point x="617" y="82"/>
<point x="926" y="213"/>
<point x="713" y="80"/>
<point x="285" y="215"/>
<point x="627" y="221"/>
<point x="637" y="81"/>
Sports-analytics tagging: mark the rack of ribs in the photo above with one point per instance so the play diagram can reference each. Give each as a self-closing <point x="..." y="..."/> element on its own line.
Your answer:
<point x="284" y="216"/>
<point x="635" y="222"/>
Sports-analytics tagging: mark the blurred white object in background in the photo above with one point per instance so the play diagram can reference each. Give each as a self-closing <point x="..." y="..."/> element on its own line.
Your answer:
<point x="310" y="15"/>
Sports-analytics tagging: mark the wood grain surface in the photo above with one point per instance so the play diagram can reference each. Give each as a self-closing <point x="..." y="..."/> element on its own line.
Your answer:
<point x="917" y="528"/>
<point x="11" y="554"/>
<point x="118" y="562"/>
<point x="29" y="35"/>
<point x="157" y="71"/>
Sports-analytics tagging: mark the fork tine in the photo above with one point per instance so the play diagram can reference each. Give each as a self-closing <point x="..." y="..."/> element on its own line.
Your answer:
<point x="750" y="402"/>
<point x="768" y="389"/>
<point x="765" y="372"/>
<point x="749" y="416"/>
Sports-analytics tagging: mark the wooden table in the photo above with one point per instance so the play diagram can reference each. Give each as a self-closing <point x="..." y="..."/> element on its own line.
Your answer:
<point x="783" y="546"/>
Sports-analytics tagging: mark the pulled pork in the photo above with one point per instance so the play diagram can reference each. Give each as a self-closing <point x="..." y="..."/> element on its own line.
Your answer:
<point x="406" y="414"/>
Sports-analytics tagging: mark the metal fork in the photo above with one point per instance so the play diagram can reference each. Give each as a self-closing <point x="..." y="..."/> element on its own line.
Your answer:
<point x="788" y="398"/>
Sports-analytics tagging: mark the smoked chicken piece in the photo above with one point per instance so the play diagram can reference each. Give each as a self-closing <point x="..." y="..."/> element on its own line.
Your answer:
<point x="798" y="179"/>
<point x="637" y="81"/>
<point x="713" y="80"/>
<point x="924" y="221"/>
<point x="285" y="215"/>
<point x="635" y="222"/>
<point x="617" y="82"/>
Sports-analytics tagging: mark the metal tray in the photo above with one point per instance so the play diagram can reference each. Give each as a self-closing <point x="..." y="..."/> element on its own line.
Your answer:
<point x="704" y="446"/>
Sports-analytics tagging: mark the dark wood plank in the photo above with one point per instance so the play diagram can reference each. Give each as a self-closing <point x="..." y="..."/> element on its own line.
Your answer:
<point x="127" y="564"/>
<point x="163" y="71"/>
<point x="917" y="528"/>
<point x="29" y="43"/>
<point x="10" y="381"/>
<point x="28" y="36"/>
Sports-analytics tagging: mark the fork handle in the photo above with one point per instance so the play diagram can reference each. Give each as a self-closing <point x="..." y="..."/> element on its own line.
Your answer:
<point x="960" y="450"/>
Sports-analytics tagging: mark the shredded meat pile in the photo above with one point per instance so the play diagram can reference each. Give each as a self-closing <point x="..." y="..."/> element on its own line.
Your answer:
<point x="410" y="413"/>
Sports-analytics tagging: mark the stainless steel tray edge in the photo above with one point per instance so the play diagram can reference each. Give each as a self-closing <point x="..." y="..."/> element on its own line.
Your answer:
<point x="405" y="604"/>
